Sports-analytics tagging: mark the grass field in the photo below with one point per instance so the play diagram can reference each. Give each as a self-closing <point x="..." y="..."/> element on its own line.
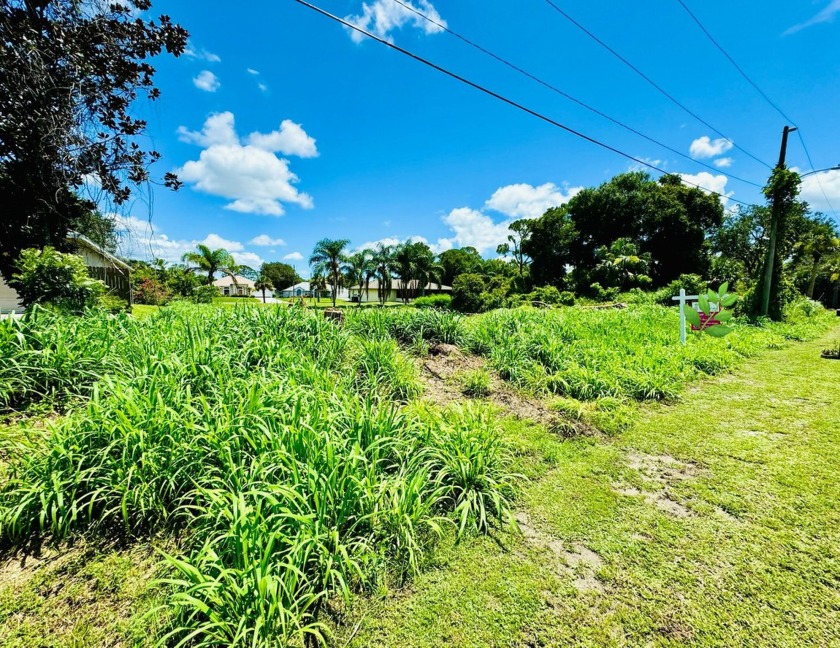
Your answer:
<point x="260" y="476"/>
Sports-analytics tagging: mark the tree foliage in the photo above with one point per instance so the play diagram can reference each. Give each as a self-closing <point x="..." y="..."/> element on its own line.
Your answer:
<point x="70" y="71"/>
<point x="61" y="280"/>
<point x="280" y="275"/>
<point x="327" y="260"/>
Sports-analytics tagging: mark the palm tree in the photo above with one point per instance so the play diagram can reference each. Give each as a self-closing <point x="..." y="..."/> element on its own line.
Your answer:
<point x="211" y="261"/>
<point x="415" y="263"/>
<point x="262" y="284"/>
<point x="327" y="258"/>
<point x="383" y="265"/>
<point x="359" y="270"/>
<point x="316" y="284"/>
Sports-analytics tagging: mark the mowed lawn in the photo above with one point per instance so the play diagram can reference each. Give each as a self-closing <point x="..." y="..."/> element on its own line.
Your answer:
<point x="713" y="522"/>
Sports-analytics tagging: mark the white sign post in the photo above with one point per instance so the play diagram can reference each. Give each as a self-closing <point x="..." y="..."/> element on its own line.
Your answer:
<point x="683" y="299"/>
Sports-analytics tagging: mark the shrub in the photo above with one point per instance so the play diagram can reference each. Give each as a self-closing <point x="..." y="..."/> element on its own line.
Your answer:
<point x="205" y="294"/>
<point x="545" y="294"/>
<point x="567" y="298"/>
<point x="693" y="284"/>
<point x="113" y="304"/>
<point x="150" y="291"/>
<point x="443" y="302"/>
<point x="599" y="293"/>
<point x="61" y="280"/>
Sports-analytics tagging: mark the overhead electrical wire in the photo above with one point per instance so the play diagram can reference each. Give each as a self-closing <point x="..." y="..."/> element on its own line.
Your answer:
<point x="504" y="99"/>
<point x="653" y="83"/>
<point x="567" y="95"/>
<point x="762" y="93"/>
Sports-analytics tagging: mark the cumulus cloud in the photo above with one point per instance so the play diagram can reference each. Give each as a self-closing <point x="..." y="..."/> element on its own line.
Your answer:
<point x="724" y="162"/>
<point x="826" y="15"/>
<point x="141" y="239"/>
<point x="382" y="17"/>
<point x="708" y="182"/>
<point x="290" y="139"/>
<point x="705" y="147"/>
<point x="265" y="240"/>
<point x="294" y="256"/>
<point x="250" y="175"/>
<point x="814" y="185"/>
<point x="206" y="81"/>
<point x="474" y="228"/>
<point x="527" y="201"/>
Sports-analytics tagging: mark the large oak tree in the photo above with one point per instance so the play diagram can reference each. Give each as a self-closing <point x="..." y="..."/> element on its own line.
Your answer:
<point x="70" y="72"/>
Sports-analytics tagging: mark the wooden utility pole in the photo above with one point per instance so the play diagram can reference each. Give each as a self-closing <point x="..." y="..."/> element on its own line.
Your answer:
<point x="774" y="230"/>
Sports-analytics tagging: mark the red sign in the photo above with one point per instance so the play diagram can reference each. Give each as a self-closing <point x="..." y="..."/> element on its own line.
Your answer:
<point x="706" y="321"/>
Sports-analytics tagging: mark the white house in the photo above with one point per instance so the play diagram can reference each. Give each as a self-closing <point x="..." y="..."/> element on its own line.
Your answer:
<point x="101" y="264"/>
<point x="370" y="293"/>
<point x="235" y="286"/>
<point x="304" y="289"/>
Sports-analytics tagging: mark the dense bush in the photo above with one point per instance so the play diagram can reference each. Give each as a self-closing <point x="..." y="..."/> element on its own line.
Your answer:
<point x="433" y="301"/>
<point x="50" y="277"/>
<point x="601" y="294"/>
<point x="150" y="291"/>
<point x="693" y="284"/>
<point x="205" y="294"/>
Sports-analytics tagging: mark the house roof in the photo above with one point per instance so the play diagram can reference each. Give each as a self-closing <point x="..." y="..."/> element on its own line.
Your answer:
<point x="303" y="285"/>
<point x="84" y="241"/>
<point x="227" y="280"/>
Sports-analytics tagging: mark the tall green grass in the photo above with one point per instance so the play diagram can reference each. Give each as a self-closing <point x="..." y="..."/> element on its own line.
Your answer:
<point x="273" y="443"/>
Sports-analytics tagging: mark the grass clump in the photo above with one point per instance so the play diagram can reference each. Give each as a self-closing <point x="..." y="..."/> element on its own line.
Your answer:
<point x="475" y="383"/>
<point x="269" y="442"/>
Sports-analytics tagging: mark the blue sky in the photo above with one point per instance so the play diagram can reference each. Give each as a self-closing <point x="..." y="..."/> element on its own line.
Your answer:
<point x="286" y="129"/>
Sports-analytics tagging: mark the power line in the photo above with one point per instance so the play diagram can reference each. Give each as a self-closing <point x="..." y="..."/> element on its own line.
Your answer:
<point x="816" y="175"/>
<point x="502" y="98"/>
<point x="653" y="83"/>
<point x="565" y="94"/>
<point x="736" y="66"/>
<point x="763" y="94"/>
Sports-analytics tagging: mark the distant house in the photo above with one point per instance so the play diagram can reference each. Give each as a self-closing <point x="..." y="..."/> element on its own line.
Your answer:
<point x="235" y="286"/>
<point x="370" y="293"/>
<point x="304" y="289"/>
<point x="101" y="264"/>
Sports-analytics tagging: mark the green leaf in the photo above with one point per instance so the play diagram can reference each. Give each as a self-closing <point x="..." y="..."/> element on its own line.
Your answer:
<point x="703" y="301"/>
<point x="729" y="300"/>
<point x="691" y="315"/>
<point x="718" y="331"/>
<point x="724" y="287"/>
<point x="712" y="296"/>
<point x="724" y="316"/>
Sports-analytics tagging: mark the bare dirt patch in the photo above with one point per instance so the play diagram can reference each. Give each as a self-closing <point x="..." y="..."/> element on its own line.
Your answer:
<point x="440" y="373"/>
<point x="661" y="471"/>
<point x="577" y="560"/>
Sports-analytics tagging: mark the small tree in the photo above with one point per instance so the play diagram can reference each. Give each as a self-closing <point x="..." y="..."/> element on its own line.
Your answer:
<point x="51" y="277"/>
<point x="262" y="284"/>
<point x="326" y="260"/>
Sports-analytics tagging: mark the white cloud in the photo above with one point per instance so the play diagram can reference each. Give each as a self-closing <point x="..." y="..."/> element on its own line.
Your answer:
<point x="249" y="259"/>
<point x="294" y="256"/>
<point x="206" y="81"/>
<point x="265" y="240"/>
<point x="251" y="176"/>
<point x="813" y="187"/>
<point x="826" y="15"/>
<point x="384" y="16"/>
<point x="392" y="241"/>
<point x="477" y="229"/>
<point x="708" y="183"/>
<point x="263" y="87"/>
<point x="141" y="239"/>
<point x="200" y="53"/>
<point x="527" y="201"/>
<point x="290" y="139"/>
<point x="704" y="147"/>
<point x="724" y="162"/>
<point x="252" y="71"/>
